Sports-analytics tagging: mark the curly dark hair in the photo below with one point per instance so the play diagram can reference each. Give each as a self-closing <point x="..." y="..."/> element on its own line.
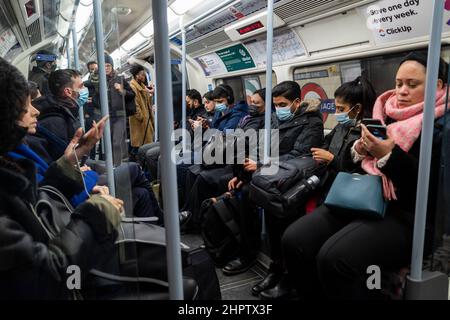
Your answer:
<point x="14" y="94"/>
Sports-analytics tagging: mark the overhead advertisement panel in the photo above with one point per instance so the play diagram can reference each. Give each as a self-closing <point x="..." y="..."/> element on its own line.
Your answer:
<point x="397" y="20"/>
<point x="211" y="64"/>
<point x="236" y="58"/>
<point x="286" y="46"/>
<point x="233" y="13"/>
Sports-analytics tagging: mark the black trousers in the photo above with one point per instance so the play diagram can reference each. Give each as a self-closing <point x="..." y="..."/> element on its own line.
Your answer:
<point x="275" y="228"/>
<point x="202" y="184"/>
<point x="327" y="254"/>
<point x="249" y="224"/>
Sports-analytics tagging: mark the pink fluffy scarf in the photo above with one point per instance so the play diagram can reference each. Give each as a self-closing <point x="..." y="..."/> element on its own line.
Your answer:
<point x="405" y="130"/>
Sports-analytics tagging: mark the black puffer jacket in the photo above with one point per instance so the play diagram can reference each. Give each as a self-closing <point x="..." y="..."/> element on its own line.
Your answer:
<point x="304" y="131"/>
<point x="58" y="115"/>
<point x="32" y="264"/>
<point x="58" y="122"/>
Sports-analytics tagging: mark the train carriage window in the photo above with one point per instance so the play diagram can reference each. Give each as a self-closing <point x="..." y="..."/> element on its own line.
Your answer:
<point x="244" y="86"/>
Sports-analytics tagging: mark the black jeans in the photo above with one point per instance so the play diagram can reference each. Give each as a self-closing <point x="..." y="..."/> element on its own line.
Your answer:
<point x="327" y="254"/>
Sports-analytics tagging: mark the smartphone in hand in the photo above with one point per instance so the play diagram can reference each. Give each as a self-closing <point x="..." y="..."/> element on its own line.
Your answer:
<point x="371" y="121"/>
<point x="378" y="131"/>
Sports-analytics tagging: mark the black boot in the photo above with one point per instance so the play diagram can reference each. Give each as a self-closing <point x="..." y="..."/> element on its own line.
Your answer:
<point x="238" y="265"/>
<point x="272" y="278"/>
<point x="283" y="290"/>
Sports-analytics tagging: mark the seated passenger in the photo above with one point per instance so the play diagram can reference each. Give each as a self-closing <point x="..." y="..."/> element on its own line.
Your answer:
<point x="203" y="183"/>
<point x="353" y="100"/>
<point x="327" y="253"/>
<point x="300" y="128"/>
<point x="59" y="115"/>
<point x="210" y="107"/>
<point x="195" y="108"/>
<point x="227" y="114"/>
<point x="34" y="265"/>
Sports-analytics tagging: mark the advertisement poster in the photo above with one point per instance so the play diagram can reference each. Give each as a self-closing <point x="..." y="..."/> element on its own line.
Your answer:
<point x="286" y="46"/>
<point x="211" y="64"/>
<point x="236" y="58"/>
<point x="396" y="20"/>
<point x="7" y="41"/>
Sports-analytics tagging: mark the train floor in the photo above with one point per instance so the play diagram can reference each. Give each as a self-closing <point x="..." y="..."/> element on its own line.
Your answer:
<point x="237" y="287"/>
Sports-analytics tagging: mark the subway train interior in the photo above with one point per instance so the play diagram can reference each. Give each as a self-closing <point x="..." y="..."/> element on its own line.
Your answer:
<point x="229" y="150"/>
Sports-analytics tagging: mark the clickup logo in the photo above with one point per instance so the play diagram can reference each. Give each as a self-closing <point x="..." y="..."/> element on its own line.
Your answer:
<point x="382" y="32"/>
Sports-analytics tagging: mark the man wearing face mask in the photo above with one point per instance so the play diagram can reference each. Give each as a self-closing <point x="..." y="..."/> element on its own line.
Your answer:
<point x="228" y="114"/>
<point x="300" y="128"/>
<point x="59" y="111"/>
<point x="45" y="64"/>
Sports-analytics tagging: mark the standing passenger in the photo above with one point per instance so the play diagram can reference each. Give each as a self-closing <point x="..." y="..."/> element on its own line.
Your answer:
<point x="141" y="123"/>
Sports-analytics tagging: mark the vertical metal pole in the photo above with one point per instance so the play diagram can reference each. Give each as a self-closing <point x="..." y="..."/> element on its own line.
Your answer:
<point x="426" y="140"/>
<point x="269" y="49"/>
<point x="103" y="93"/>
<point x="183" y="84"/>
<point x="168" y="171"/>
<point x="76" y="62"/>
<point x="68" y="52"/>
<point x="156" y="104"/>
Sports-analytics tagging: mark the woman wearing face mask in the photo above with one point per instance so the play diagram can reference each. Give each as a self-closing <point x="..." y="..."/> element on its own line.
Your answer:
<point x="328" y="253"/>
<point x="353" y="100"/>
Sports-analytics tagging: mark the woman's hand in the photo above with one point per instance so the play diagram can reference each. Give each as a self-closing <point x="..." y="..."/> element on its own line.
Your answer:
<point x="81" y="145"/>
<point x="376" y="147"/>
<point x="234" y="184"/>
<point x="322" y="155"/>
<point x="250" y="165"/>
<point x="85" y="168"/>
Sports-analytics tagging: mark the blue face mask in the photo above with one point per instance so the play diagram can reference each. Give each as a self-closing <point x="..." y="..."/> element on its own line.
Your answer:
<point x="221" y="107"/>
<point x="284" y="113"/>
<point x="344" y="119"/>
<point x="83" y="98"/>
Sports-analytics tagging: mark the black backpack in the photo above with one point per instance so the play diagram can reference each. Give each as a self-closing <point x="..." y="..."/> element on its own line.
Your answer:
<point x="269" y="191"/>
<point x="219" y="228"/>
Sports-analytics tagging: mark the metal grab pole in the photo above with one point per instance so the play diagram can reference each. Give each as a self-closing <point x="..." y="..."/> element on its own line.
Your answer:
<point x="68" y="52"/>
<point x="77" y="67"/>
<point x="168" y="171"/>
<point x="103" y="93"/>
<point x="155" y="102"/>
<point x="426" y="141"/>
<point x="269" y="49"/>
<point x="183" y="85"/>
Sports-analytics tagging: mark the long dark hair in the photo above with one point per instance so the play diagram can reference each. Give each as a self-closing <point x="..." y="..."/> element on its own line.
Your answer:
<point x="357" y="91"/>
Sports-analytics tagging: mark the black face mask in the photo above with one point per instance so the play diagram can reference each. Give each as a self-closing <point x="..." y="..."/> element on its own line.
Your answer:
<point x="253" y="110"/>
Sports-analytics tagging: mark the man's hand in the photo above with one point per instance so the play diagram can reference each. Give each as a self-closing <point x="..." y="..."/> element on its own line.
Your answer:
<point x="81" y="145"/>
<point x="119" y="88"/>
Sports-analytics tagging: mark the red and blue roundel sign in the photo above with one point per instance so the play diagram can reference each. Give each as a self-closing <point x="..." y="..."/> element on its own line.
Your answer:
<point x="313" y="91"/>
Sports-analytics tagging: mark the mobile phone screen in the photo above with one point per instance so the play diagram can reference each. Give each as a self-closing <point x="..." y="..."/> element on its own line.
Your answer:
<point x="378" y="131"/>
<point x="371" y="121"/>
